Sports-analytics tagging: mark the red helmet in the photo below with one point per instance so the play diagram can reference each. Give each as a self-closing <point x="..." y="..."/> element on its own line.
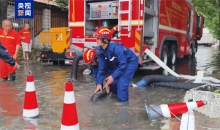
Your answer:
<point x="89" y="56"/>
<point x="103" y="32"/>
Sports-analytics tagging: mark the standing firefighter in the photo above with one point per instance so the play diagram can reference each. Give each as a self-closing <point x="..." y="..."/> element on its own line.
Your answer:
<point x="25" y="36"/>
<point x="10" y="40"/>
<point x="124" y="60"/>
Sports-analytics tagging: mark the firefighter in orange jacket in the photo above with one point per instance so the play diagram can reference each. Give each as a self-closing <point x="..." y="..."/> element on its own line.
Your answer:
<point x="10" y="39"/>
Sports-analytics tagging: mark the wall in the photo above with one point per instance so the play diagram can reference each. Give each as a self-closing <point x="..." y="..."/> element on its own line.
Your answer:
<point x="46" y="17"/>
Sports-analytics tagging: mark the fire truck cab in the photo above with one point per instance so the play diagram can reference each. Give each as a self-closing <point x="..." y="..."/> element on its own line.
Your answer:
<point x="168" y="28"/>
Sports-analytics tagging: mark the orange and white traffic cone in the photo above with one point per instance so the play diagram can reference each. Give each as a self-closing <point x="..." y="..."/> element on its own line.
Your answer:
<point x="171" y="110"/>
<point x="30" y="109"/>
<point x="69" y="116"/>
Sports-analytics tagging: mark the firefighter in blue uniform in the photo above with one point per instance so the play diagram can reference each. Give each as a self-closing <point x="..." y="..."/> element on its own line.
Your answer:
<point x="90" y="57"/>
<point x="125" y="64"/>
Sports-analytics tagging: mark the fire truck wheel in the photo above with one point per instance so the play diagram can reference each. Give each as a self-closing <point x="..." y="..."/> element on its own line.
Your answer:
<point x="173" y="54"/>
<point x="164" y="54"/>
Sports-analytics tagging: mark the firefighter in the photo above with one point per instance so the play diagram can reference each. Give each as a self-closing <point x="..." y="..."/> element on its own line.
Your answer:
<point x="90" y="57"/>
<point x="10" y="40"/>
<point x="125" y="61"/>
<point x="6" y="57"/>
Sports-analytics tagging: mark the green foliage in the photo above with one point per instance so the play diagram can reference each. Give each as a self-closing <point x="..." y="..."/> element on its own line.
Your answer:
<point x="34" y="55"/>
<point x="217" y="91"/>
<point x="62" y="3"/>
<point x="210" y="9"/>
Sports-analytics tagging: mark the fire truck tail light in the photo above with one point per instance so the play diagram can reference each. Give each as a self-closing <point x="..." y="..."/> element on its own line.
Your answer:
<point x="44" y="55"/>
<point x="67" y="54"/>
<point x="73" y="53"/>
<point x="70" y="54"/>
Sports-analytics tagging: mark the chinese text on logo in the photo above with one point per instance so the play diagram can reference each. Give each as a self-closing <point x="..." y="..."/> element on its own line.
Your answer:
<point x="24" y="9"/>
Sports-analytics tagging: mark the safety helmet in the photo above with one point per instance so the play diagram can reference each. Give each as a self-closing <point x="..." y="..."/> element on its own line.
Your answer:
<point x="89" y="56"/>
<point x="103" y="33"/>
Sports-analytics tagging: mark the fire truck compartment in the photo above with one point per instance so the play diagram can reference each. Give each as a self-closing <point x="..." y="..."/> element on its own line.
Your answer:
<point x="100" y="13"/>
<point x="149" y="20"/>
<point x="105" y="13"/>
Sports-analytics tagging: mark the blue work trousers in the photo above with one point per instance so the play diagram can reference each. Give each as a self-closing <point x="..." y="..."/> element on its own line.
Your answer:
<point x="120" y="85"/>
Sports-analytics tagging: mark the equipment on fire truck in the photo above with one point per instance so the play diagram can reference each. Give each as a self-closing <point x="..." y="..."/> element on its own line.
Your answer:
<point x="139" y="25"/>
<point x="59" y="38"/>
<point x="105" y="23"/>
<point x="103" y="10"/>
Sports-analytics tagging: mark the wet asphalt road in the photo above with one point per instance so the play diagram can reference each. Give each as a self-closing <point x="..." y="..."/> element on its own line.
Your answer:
<point x="107" y="114"/>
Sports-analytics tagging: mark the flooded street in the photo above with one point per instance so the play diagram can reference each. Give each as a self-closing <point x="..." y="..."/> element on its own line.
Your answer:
<point x="106" y="114"/>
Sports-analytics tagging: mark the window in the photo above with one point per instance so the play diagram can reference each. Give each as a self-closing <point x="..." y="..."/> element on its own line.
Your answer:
<point x="188" y="21"/>
<point x="147" y="3"/>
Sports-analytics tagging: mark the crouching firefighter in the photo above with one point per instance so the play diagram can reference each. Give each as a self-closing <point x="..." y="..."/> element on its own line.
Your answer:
<point x="90" y="57"/>
<point x="4" y="55"/>
<point x="124" y="60"/>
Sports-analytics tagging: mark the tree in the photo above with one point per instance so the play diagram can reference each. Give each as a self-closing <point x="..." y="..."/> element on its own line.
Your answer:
<point x="211" y="11"/>
<point x="62" y="3"/>
<point x="3" y="9"/>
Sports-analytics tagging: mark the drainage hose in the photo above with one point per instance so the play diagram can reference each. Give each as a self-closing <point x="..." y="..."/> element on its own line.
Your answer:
<point x="75" y="66"/>
<point x="99" y="95"/>
<point x="178" y="85"/>
<point x="146" y="80"/>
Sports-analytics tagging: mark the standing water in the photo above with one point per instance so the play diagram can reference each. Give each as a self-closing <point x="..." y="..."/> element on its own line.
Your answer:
<point x="107" y="114"/>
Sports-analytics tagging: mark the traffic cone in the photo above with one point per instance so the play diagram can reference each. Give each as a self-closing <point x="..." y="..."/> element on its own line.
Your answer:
<point x="30" y="109"/>
<point x="171" y="110"/>
<point x="69" y="116"/>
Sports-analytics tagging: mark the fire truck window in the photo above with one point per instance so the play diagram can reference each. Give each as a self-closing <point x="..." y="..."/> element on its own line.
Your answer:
<point x="147" y="3"/>
<point x="199" y="21"/>
<point x="188" y="21"/>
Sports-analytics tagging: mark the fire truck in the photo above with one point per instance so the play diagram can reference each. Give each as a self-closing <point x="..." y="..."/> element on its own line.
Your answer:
<point x="168" y="28"/>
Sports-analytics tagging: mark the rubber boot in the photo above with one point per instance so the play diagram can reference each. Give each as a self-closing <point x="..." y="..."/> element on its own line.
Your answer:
<point x="12" y="76"/>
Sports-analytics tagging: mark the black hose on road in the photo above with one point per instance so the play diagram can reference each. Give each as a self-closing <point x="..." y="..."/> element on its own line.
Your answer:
<point x="159" y="78"/>
<point x="99" y="95"/>
<point x="178" y="85"/>
<point x="75" y="66"/>
<point x="149" y="79"/>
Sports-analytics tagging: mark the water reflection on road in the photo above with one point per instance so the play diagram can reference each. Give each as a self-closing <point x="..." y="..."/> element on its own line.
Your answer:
<point x="107" y="114"/>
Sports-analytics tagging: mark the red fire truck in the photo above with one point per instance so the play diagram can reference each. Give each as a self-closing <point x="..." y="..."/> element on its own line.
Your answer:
<point x="169" y="28"/>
